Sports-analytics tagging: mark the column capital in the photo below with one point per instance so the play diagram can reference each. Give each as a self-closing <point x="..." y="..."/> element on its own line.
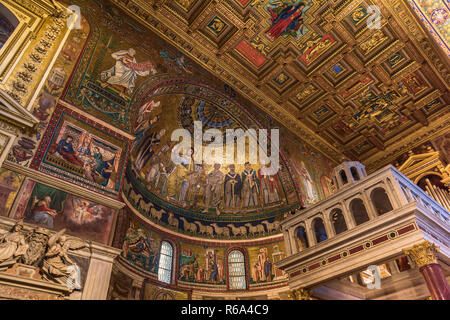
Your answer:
<point x="300" y="294"/>
<point x="423" y="254"/>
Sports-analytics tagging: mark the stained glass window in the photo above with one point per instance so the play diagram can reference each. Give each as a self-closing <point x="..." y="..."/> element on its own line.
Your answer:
<point x="236" y="269"/>
<point x="165" y="262"/>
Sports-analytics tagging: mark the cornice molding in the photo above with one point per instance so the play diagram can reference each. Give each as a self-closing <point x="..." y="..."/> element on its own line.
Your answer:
<point x="13" y="112"/>
<point x="103" y="123"/>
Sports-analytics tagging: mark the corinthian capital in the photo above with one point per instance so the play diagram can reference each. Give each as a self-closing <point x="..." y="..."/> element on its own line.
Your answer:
<point x="423" y="253"/>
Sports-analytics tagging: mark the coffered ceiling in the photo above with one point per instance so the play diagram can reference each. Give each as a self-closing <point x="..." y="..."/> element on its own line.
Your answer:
<point x="325" y="69"/>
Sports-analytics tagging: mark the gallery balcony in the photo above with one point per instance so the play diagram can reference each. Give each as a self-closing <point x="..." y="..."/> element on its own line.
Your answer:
<point x="367" y="221"/>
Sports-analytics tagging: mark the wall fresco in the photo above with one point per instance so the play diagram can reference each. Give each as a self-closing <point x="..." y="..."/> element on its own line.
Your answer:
<point x="54" y="209"/>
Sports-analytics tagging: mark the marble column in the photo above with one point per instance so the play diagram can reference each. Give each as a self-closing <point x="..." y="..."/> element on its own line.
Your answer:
<point x="288" y="242"/>
<point x="99" y="273"/>
<point x="328" y="226"/>
<point x="369" y="205"/>
<point x="310" y="234"/>
<point x="425" y="256"/>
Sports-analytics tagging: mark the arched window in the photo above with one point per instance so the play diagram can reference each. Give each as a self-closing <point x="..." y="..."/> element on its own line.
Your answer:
<point x="8" y="23"/>
<point x="165" y="262"/>
<point x="381" y="201"/>
<point x="302" y="239"/>
<point x="319" y="230"/>
<point x="355" y="173"/>
<point x="338" y="221"/>
<point x="343" y="177"/>
<point x="359" y="211"/>
<point x="236" y="270"/>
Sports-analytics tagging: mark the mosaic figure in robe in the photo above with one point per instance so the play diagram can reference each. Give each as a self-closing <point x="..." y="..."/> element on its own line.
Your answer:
<point x="125" y="71"/>
<point x="250" y="187"/>
<point x="232" y="186"/>
<point x="286" y="19"/>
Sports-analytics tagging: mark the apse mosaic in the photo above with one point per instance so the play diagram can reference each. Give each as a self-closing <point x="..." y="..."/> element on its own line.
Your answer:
<point x="200" y="264"/>
<point x="204" y="199"/>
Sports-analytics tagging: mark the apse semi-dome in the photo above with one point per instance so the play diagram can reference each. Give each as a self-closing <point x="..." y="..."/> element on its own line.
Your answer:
<point x="224" y="200"/>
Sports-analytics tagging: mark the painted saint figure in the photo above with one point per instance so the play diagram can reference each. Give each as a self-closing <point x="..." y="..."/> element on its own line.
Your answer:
<point x="104" y="168"/>
<point x="214" y="271"/>
<point x="85" y="149"/>
<point x="269" y="186"/>
<point x="286" y="19"/>
<point x="177" y="182"/>
<point x="213" y="193"/>
<point x="124" y="73"/>
<point x="147" y="150"/>
<point x="42" y="214"/>
<point x="148" y="107"/>
<point x="154" y="172"/>
<point x="232" y="188"/>
<point x="141" y="132"/>
<point x="308" y="182"/>
<point x="178" y="62"/>
<point x="250" y="187"/>
<point x="66" y="150"/>
<point x="197" y="185"/>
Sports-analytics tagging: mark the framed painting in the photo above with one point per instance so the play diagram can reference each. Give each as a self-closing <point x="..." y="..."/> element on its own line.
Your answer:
<point x="54" y="209"/>
<point x="82" y="151"/>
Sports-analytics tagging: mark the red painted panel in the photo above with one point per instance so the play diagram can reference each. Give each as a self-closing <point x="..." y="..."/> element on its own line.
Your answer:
<point x="332" y="259"/>
<point x="380" y="240"/>
<point x="406" y="229"/>
<point x="246" y="49"/>
<point x="314" y="266"/>
<point x="296" y="273"/>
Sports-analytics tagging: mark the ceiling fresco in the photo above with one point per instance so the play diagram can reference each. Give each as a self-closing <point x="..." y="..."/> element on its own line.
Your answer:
<point x="353" y="84"/>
